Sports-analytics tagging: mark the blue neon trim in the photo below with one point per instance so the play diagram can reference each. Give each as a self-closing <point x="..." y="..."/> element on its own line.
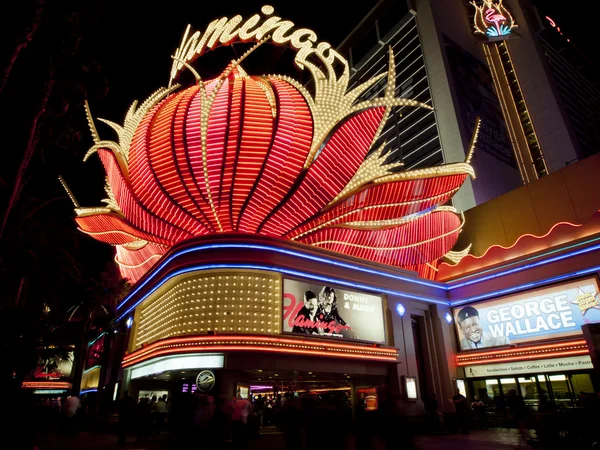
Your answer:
<point x="528" y="266"/>
<point x="92" y="368"/>
<point x="94" y="341"/>
<point x="284" y="251"/>
<point x="286" y="271"/>
<point x="87" y="391"/>
<point x="527" y="285"/>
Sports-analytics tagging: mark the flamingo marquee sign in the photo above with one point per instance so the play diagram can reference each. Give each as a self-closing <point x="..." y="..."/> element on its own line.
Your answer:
<point x="493" y="19"/>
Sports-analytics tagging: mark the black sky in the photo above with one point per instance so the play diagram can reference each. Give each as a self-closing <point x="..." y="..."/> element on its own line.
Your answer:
<point x="114" y="52"/>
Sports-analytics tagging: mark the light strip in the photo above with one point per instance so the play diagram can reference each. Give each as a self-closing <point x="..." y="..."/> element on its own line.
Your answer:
<point x="527" y="285"/>
<point x="91" y="368"/>
<point x="528" y="266"/>
<point x="522" y="358"/>
<point x="46" y="384"/>
<point x="94" y="341"/>
<point x="49" y="391"/>
<point x="367" y="270"/>
<point x="158" y="365"/>
<point x="286" y="252"/>
<point x="280" y="270"/>
<point x="274" y="349"/>
<point x="521" y="349"/>
<point x="254" y="339"/>
<point x="87" y="391"/>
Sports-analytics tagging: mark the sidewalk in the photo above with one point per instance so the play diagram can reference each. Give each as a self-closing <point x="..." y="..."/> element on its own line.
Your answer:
<point x="477" y="440"/>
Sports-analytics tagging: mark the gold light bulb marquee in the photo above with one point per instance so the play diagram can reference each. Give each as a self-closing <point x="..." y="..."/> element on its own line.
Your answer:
<point x="263" y="155"/>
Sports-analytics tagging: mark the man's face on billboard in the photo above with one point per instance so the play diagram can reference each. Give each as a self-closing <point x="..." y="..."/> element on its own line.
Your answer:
<point x="311" y="304"/>
<point x="471" y="328"/>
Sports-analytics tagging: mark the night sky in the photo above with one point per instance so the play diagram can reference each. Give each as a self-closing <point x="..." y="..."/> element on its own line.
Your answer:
<point x="112" y="53"/>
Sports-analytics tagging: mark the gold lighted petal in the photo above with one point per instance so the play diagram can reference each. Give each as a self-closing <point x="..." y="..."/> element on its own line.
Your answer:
<point x="92" y="211"/>
<point x="125" y="133"/>
<point x="340" y="219"/>
<point x="111" y="202"/>
<point x="370" y="169"/>
<point x="395" y="247"/>
<point x="391" y="223"/>
<point x="69" y="192"/>
<point x="135" y="266"/>
<point x="473" y="142"/>
<point x="136" y="245"/>
<point x="456" y="256"/>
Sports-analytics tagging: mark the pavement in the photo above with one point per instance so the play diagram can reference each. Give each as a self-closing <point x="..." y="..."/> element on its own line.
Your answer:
<point x="477" y="440"/>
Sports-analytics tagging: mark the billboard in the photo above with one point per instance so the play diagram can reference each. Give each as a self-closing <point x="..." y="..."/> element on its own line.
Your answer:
<point x="321" y="310"/>
<point x="552" y="312"/>
<point x="53" y="364"/>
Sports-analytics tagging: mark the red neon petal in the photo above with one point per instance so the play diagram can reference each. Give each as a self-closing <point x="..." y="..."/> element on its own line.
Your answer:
<point x="110" y="229"/>
<point x="284" y="163"/>
<point x="134" y="211"/>
<point x="387" y="201"/>
<point x="133" y="264"/>
<point x="420" y="241"/>
<point x="326" y="177"/>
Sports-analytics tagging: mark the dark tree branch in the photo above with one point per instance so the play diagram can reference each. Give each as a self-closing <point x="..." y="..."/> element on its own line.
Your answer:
<point x="22" y="43"/>
<point x="28" y="154"/>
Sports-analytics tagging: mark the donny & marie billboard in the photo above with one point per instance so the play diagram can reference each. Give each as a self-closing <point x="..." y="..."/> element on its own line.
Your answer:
<point x="323" y="310"/>
<point x="551" y="312"/>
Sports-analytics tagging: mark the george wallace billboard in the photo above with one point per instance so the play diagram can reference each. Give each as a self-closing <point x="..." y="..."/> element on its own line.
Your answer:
<point x="549" y="313"/>
<point x="327" y="311"/>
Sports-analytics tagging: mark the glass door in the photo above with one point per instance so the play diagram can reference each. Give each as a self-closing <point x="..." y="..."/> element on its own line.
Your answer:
<point x="560" y="390"/>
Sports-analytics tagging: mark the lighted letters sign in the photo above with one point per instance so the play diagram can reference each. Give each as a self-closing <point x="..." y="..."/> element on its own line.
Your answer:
<point x="523" y="367"/>
<point x="318" y="310"/>
<point x="555" y="26"/>
<point x="493" y="19"/>
<point x="556" y="311"/>
<point x="262" y="155"/>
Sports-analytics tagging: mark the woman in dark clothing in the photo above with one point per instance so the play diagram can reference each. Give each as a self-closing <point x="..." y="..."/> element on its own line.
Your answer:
<point x="328" y="306"/>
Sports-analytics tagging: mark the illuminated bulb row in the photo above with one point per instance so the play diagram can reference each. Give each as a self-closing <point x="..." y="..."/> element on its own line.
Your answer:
<point x="521" y="353"/>
<point x="234" y="303"/>
<point x="191" y="285"/>
<point x="257" y="343"/>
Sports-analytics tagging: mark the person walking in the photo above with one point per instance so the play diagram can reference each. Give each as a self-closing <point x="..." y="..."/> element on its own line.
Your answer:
<point x="239" y="423"/>
<point x="462" y="412"/>
<point x="161" y="411"/>
<point x="432" y="419"/>
<point x="478" y="408"/>
<point x="259" y="407"/>
<point x="71" y="407"/>
<point x="126" y="409"/>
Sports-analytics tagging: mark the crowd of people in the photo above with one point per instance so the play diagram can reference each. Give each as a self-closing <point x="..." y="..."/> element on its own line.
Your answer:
<point x="542" y="422"/>
<point x="197" y="420"/>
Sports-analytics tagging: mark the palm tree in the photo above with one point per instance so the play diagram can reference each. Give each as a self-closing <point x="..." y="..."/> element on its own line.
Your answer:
<point x="43" y="85"/>
<point x="95" y="311"/>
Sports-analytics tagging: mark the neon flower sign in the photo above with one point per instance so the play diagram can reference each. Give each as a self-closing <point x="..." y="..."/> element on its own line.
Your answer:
<point x="493" y="19"/>
<point x="263" y="155"/>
